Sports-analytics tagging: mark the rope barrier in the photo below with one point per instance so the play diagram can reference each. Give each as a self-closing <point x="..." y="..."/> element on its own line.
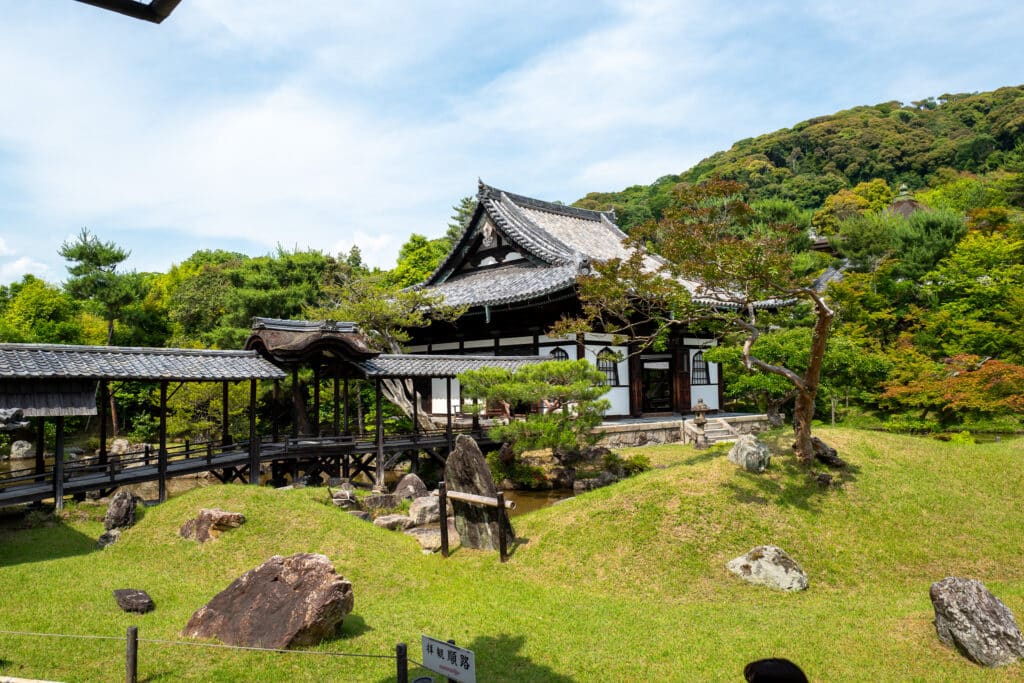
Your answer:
<point x="159" y="641"/>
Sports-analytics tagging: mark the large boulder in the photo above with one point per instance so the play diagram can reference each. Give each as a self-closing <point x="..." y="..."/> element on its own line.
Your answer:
<point x="975" y="622"/>
<point x="381" y="501"/>
<point x="466" y="471"/>
<point x="121" y="511"/>
<point x="210" y="523"/>
<point x="769" y="565"/>
<point x="118" y="447"/>
<point x="108" y="537"/>
<point x="750" y="454"/>
<point x="22" y="450"/>
<point x="411" y="487"/>
<point x="345" y="497"/>
<point x="285" y="602"/>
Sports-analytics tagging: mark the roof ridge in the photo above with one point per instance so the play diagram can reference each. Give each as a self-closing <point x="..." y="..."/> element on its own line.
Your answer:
<point x="534" y="237"/>
<point x="123" y="350"/>
<point x="542" y="205"/>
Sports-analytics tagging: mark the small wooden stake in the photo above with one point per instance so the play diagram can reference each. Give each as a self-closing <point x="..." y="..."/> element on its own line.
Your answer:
<point x="131" y="659"/>
<point x="442" y="495"/>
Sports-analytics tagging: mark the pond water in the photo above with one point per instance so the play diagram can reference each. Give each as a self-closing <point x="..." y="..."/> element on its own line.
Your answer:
<point x="528" y="501"/>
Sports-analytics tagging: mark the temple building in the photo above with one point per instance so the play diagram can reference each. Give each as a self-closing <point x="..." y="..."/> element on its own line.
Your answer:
<point x="516" y="267"/>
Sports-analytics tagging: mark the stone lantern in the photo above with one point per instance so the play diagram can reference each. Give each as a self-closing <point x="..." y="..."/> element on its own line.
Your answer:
<point x="700" y="411"/>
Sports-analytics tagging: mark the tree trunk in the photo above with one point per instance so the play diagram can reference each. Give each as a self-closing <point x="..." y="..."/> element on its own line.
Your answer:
<point x="803" y="413"/>
<point x="400" y="393"/>
<point x="305" y="428"/>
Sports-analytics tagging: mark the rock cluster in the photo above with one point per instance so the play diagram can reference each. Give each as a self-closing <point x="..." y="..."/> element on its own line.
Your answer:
<point x="133" y="600"/>
<point x="22" y="450"/>
<point x="975" y="622"/>
<point x="285" y="602"/>
<point x="769" y="565"/>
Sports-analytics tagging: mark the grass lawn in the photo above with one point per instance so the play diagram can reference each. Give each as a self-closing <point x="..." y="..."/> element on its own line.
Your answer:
<point x="627" y="583"/>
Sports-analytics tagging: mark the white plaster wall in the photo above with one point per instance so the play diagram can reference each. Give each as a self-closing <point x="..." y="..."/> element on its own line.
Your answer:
<point x="567" y="340"/>
<point x="442" y="348"/>
<point x="437" y="395"/>
<point x="619" y="398"/>
<point x="479" y="344"/>
<point x="516" y="341"/>
<point x="708" y="392"/>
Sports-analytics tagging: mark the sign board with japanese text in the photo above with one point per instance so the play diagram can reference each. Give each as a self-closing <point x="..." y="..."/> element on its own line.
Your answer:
<point x="456" y="663"/>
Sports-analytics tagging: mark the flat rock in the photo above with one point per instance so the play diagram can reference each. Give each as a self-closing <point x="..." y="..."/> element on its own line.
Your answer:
<point x="381" y="501"/>
<point x="749" y="453"/>
<point x="466" y="471"/>
<point x="361" y="514"/>
<point x="769" y="565"/>
<point x="411" y="487"/>
<point x="393" y="522"/>
<point x="210" y="523"/>
<point x="133" y="600"/>
<point x="120" y="511"/>
<point x="285" y="602"/>
<point x="429" y="537"/>
<point x="975" y="622"/>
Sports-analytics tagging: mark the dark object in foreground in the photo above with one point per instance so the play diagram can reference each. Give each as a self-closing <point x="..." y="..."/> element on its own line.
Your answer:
<point x="774" y="670"/>
<point x="133" y="600"/>
<point x="826" y="454"/>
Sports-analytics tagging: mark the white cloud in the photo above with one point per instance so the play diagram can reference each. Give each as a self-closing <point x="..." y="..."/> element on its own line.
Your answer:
<point x="4" y="249"/>
<point x="14" y="270"/>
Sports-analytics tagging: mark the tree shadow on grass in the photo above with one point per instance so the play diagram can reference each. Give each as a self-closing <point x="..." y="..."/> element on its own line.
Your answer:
<point x="497" y="659"/>
<point x="793" y="486"/>
<point x="43" y="543"/>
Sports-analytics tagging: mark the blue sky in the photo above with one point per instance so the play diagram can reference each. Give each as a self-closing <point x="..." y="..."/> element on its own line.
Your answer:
<point x="242" y="125"/>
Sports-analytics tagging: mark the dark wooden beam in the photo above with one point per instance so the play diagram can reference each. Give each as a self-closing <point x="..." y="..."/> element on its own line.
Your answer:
<point x="335" y="415"/>
<point x="225" y="420"/>
<point x="154" y="11"/>
<point x="41" y="446"/>
<point x="58" y="466"/>
<point x="254" y="442"/>
<point x="104" y="400"/>
<point x="379" y="484"/>
<point x="162" y="453"/>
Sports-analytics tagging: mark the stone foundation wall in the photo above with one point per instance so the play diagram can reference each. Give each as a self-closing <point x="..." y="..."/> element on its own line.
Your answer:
<point x="669" y="431"/>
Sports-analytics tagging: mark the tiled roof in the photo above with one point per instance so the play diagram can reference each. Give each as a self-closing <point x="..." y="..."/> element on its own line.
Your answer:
<point x="38" y="361"/>
<point x="408" y="365"/>
<point x="506" y="284"/>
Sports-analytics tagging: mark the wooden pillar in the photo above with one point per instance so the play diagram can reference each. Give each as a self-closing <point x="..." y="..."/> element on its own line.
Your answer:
<point x="295" y="407"/>
<point x="335" y="415"/>
<point x="104" y="400"/>
<point x="41" y="446"/>
<point x="254" y="441"/>
<point x="679" y="370"/>
<point x="581" y="347"/>
<point x="273" y="413"/>
<point x="379" y="484"/>
<point x="225" y="420"/>
<point x="316" y="400"/>
<point x="162" y="453"/>
<point x="442" y="495"/>
<point x="721" y="387"/>
<point x="448" y="410"/>
<point x="348" y="430"/>
<point x="58" y="466"/>
<point x="636" y="386"/>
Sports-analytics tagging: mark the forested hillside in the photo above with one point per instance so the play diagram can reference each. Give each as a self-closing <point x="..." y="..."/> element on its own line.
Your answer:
<point x="920" y="144"/>
<point x="922" y="205"/>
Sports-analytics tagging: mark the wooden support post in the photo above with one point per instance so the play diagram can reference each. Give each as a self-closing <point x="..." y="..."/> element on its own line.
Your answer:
<point x="476" y="417"/>
<point x="58" y="466"/>
<point x="162" y="454"/>
<point x="225" y="420"/>
<point x="442" y="495"/>
<point x="379" y="484"/>
<point x="502" y="525"/>
<point x="348" y="431"/>
<point x="273" y="413"/>
<point x="254" y="441"/>
<point x="131" y="656"/>
<point x="316" y="400"/>
<point x="41" y="446"/>
<point x="295" y="407"/>
<point x="104" y="401"/>
<point x="335" y="415"/>
<point x="402" y="663"/>
<point x="448" y="411"/>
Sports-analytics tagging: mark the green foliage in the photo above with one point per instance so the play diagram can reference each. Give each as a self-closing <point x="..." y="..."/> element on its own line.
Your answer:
<point x="627" y="467"/>
<point x="38" y="312"/>
<point x="462" y="214"/>
<point x="522" y="474"/>
<point x="417" y="259"/>
<point x="569" y="390"/>
<point x="94" y="277"/>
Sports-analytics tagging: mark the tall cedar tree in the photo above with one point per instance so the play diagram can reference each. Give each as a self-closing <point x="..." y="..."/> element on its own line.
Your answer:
<point x="709" y="239"/>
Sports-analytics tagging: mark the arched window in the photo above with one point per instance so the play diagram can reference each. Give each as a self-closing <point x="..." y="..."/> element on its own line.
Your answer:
<point x="608" y="363"/>
<point x="558" y="353"/>
<point x="699" y="369"/>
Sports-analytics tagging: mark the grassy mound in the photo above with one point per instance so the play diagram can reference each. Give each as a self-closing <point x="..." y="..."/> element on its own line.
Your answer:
<point x="624" y="583"/>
